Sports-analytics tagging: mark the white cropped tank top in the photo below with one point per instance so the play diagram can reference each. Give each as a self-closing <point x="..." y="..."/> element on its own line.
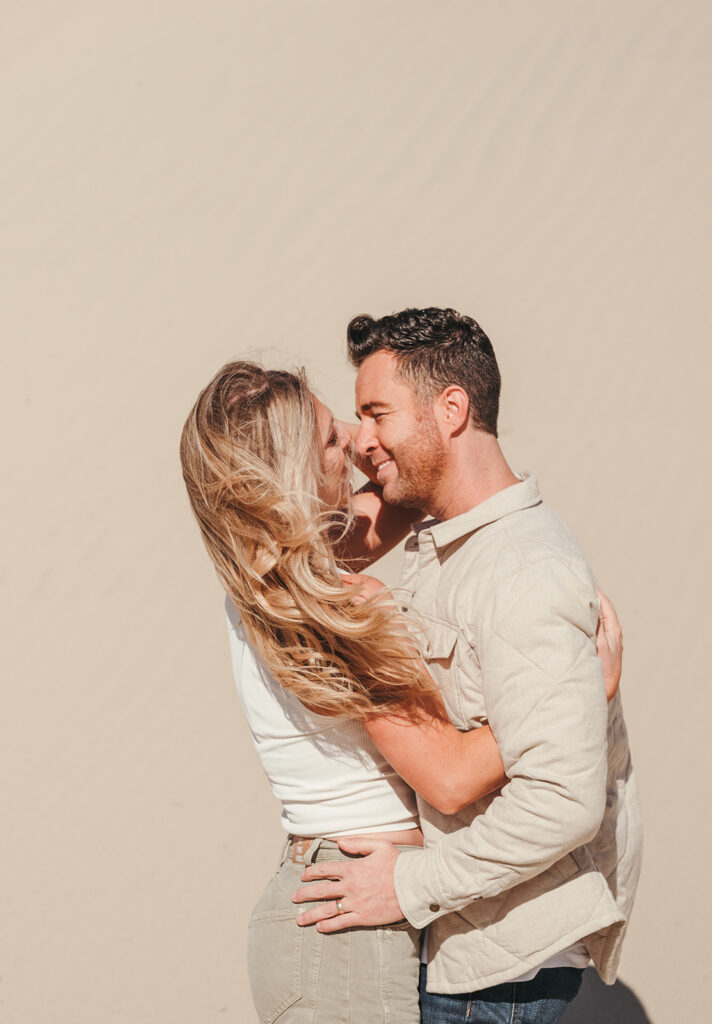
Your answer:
<point x="329" y="777"/>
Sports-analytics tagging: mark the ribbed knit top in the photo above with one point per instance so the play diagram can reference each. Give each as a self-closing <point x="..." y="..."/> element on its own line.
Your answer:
<point x="329" y="777"/>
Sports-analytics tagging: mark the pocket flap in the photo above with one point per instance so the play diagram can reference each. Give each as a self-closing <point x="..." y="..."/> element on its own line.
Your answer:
<point x="439" y="641"/>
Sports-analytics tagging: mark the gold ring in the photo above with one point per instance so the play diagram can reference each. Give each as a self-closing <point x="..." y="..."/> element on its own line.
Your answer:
<point x="340" y="907"/>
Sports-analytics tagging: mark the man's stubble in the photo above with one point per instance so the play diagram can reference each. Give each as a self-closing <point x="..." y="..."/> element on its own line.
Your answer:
<point x="420" y="464"/>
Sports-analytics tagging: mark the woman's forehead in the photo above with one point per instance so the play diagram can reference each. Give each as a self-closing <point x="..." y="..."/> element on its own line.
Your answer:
<point x="323" y="415"/>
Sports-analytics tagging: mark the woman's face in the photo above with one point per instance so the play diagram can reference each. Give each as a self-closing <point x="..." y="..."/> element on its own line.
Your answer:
<point x="335" y="442"/>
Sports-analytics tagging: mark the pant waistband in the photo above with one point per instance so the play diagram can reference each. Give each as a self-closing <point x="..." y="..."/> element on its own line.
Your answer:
<point x="307" y="849"/>
<point x="298" y="847"/>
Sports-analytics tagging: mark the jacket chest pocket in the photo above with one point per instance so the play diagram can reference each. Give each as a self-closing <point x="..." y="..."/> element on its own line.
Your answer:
<point x="439" y="648"/>
<point x="439" y="642"/>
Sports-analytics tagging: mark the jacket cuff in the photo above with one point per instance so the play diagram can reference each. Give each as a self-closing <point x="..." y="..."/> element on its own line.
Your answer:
<point x="415" y="881"/>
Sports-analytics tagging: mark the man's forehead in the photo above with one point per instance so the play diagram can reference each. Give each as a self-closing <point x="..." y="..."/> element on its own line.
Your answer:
<point x="377" y="380"/>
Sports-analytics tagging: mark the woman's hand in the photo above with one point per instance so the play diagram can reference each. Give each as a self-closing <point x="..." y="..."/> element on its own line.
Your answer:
<point x="609" y="645"/>
<point x="367" y="586"/>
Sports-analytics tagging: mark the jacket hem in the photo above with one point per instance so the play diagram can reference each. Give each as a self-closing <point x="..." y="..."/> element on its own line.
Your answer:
<point x="473" y="983"/>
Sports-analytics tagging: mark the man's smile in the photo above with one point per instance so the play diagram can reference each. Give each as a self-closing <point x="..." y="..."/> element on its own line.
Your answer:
<point x="382" y="465"/>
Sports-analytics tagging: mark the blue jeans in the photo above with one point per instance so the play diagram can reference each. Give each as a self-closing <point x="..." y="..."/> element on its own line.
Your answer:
<point x="539" y="1001"/>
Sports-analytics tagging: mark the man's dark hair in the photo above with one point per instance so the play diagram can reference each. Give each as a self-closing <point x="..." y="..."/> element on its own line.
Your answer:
<point x="434" y="348"/>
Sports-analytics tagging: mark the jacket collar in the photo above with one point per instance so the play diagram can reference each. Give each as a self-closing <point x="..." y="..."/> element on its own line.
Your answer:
<point x="519" y="496"/>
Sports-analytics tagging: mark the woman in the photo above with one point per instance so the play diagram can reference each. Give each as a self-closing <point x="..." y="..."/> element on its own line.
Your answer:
<point x="332" y="684"/>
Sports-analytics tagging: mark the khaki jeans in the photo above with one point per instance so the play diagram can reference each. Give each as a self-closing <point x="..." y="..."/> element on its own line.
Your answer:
<point x="301" y="976"/>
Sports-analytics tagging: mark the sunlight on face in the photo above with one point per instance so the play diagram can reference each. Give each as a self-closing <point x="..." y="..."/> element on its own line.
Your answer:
<point x="335" y="442"/>
<point x="398" y="434"/>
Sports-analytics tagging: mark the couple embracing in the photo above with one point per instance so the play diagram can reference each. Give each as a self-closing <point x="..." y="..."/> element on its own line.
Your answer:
<point x="463" y="832"/>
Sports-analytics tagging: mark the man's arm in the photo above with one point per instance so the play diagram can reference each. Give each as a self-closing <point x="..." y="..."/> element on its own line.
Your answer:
<point x="546" y="703"/>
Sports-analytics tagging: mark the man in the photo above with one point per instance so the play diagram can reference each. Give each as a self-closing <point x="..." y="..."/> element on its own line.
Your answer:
<point x="523" y="889"/>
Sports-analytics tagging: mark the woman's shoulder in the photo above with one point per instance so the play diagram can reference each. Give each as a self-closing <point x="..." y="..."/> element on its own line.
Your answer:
<point x="232" y="614"/>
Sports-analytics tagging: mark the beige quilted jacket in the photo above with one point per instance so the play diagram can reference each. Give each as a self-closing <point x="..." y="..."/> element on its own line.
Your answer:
<point x="509" y="611"/>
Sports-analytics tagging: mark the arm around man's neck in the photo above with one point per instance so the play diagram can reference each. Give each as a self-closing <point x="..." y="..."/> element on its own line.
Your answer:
<point x="377" y="528"/>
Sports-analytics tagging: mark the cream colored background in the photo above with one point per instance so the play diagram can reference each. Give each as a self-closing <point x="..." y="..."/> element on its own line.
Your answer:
<point x="182" y="182"/>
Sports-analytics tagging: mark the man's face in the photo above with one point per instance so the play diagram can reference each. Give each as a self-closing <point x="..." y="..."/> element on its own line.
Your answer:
<point x="398" y="434"/>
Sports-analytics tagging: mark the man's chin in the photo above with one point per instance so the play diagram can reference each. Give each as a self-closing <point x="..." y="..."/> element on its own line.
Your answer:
<point x="395" y="494"/>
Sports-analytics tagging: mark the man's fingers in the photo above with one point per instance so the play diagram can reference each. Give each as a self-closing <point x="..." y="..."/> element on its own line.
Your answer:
<point x="338" y="923"/>
<point x="325" y="891"/>
<point x="326" y="869"/>
<point x="321" y="913"/>
<point x="361" y="846"/>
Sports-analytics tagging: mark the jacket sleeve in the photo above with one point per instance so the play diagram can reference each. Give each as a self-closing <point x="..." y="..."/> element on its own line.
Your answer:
<point x="546" y="703"/>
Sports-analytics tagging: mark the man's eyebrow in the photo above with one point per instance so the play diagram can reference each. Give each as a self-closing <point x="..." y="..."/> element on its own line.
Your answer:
<point x="367" y="406"/>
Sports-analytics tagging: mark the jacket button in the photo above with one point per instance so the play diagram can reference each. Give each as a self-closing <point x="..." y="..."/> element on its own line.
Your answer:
<point x="435" y="907"/>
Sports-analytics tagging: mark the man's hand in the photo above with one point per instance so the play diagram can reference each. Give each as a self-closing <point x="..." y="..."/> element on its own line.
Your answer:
<point x="364" y="888"/>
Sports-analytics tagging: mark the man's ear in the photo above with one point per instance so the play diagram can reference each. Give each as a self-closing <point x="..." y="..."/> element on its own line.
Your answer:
<point x="453" y="405"/>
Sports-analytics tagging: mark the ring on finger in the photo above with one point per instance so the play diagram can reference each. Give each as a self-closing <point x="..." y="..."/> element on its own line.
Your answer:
<point x="340" y="907"/>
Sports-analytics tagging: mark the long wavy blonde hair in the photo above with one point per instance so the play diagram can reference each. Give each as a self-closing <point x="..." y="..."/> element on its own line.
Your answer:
<point x="250" y="453"/>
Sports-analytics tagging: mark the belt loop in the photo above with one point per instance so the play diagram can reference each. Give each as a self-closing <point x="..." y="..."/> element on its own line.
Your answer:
<point x="311" y="853"/>
<point x="285" y="848"/>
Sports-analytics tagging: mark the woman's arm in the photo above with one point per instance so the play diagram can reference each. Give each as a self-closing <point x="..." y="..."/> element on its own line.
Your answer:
<point x="377" y="528"/>
<point x="451" y="769"/>
<point x="448" y="768"/>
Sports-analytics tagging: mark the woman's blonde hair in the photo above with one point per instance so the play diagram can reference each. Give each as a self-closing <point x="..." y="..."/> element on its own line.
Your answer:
<point x="250" y="453"/>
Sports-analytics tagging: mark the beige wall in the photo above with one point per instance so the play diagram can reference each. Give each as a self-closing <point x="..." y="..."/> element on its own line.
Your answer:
<point x="181" y="182"/>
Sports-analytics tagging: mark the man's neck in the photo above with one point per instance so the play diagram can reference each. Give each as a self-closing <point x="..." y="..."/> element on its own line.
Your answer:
<point x="476" y="471"/>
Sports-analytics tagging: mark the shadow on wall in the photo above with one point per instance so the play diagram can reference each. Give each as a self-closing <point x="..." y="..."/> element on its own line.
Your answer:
<point x="597" y="1003"/>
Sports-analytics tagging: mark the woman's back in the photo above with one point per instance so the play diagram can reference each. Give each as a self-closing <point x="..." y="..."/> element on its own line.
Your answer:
<point x="325" y="771"/>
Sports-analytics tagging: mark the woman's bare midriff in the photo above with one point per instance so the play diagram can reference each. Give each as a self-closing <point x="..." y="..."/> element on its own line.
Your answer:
<point x="406" y="837"/>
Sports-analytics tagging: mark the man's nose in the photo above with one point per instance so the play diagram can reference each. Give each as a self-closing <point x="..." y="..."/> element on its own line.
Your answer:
<point x="365" y="441"/>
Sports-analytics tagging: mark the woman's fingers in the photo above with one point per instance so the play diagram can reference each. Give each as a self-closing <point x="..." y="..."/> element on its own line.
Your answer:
<point x="352" y="579"/>
<point x="608" y="619"/>
<point x="609" y="644"/>
<point x="368" y="587"/>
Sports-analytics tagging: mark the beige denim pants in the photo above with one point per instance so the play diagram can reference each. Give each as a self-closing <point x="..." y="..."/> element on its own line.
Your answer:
<point x="301" y="976"/>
